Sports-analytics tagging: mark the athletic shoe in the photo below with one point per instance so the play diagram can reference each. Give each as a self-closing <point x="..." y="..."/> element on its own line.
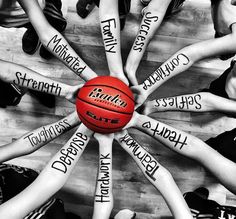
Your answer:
<point x="145" y="2"/>
<point x="84" y="7"/>
<point x="30" y="40"/>
<point x="45" y="99"/>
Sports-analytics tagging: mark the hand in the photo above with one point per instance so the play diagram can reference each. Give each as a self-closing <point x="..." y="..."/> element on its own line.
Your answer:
<point x="72" y="93"/>
<point x="104" y="138"/>
<point x="121" y="76"/>
<point x="139" y="95"/>
<point x="131" y="76"/>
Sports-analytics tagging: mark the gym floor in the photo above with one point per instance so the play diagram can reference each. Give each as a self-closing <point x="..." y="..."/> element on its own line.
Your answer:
<point x="131" y="190"/>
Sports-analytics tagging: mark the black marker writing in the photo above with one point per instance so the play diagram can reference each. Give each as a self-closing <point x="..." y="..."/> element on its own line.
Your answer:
<point x="67" y="155"/>
<point x="102" y="195"/>
<point x="164" y="71"/>
<point x="109" y="39"/>
<point x="143" y="31"/>
<point x="146" y="159"/>
<point x="183" y="102"/>
<point x="62" y="51"/>
<point x="166" y="133"/>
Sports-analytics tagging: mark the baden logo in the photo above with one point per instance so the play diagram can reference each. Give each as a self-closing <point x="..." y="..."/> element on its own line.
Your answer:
<point x="98" y="94"/>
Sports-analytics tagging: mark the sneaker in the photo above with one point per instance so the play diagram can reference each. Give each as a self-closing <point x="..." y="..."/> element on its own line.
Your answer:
<point x="53" y="14"/>
<point x="30" y="41"/>
<point x="84" y="7"/>
<point x="44" y="53"/>
<point x="45" y="99"/>
<point x="145" y="2"/>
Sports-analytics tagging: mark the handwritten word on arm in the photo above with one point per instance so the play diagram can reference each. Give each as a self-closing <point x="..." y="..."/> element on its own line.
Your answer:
<point x="156" y="174"/>
<point x="190" y="146"/>
<point x="103" y="200"/>
<point x="37" y="138"/>
<point x="25" y="77"/>
<point x="110" y="28"/>
<point x="50" y="180"/>
<point x="55" y="42"/>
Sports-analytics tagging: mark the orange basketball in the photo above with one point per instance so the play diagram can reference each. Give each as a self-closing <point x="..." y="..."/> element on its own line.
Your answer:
<point x="105" y="104"/>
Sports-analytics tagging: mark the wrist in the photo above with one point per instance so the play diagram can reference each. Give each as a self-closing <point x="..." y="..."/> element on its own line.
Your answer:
<point x="66" y="90"/>
<point x="73" y="119"/>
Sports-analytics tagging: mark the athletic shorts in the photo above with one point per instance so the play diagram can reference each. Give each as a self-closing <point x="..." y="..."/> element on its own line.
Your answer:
<point x="217" y="86"/>
<point x="225" y="144"/>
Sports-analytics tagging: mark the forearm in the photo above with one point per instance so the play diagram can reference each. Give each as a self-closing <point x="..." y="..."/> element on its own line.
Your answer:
<point x="110" y="28"/>
<point x="185" y="144"/>
<point x="156" y="174"/>
<point x="54" y="41"/>
<point x="103" y="200"/>
<point x="152" y="19"/>
<point x="25" y="77"/>
<point x="50" y="180"/>
<point x="186" y="57"/>
<point x="37" y="138"/>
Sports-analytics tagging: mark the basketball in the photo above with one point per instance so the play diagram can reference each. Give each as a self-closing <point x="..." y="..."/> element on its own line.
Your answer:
<point x="105" y="104"/>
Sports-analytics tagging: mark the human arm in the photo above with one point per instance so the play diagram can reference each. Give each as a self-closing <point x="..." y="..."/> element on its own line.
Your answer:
<point x="33" y="140"/>
<point x="54" y="41"/>
<point x="182" y="60"/>
<point x="110" y="28"/>
<point x="198" y="102"/>
<point x="50" y="180"/>
<point x="103" y="199"/>
<point x="160" y="177"/>
<point x="152" y="19"/>
<point x="190" y="146"/>
<point x="25" y="77"/>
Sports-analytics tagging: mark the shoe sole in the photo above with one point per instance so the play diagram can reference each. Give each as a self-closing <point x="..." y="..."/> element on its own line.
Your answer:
<point x="33" y="51"/>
